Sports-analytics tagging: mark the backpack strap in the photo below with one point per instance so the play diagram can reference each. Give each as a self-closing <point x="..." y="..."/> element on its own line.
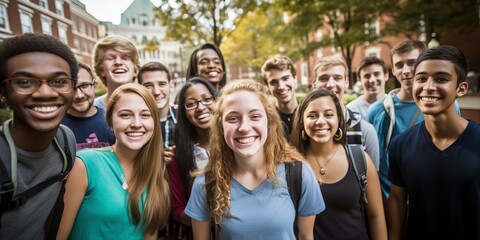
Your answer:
<point x="357" y="158"/>
<point x="293" y="175"/>
<point x="6" y="184"/>
<point x="389" y="107"/>
<point x="354" y="133"/>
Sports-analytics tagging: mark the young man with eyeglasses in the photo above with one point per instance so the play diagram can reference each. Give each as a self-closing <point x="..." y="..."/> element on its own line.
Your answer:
<point x="37" y="82"/>
<point x="87" y="121"/>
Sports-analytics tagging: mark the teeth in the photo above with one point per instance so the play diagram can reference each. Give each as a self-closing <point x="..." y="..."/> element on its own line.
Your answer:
<point x="213" y="74"/>
<point x="246" y="140"/>
<point x="135" y="134"/>
<point x="203" y="116"/>
<point x="322" y="131"/>
<point x="45" y="109"/>
<point x="429" y="99"/>
<point x="119" y="71"/>
<point x="283" y="92"/>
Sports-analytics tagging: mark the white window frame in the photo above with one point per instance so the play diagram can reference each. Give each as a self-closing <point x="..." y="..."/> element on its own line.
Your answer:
<point x="373" y="52"/>
<point x="4" y="12"/>
<point x="46" y="23"/>
<point x="26" y="21"/>
<point x="59" y="8"/>
<point x="63" y="28"/>
<point x="43" y="4"/>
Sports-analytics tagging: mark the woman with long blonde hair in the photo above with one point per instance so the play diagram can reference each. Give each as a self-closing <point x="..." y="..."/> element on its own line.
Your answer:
<point x="120" y="192"/>
<point x="245" y="176"/>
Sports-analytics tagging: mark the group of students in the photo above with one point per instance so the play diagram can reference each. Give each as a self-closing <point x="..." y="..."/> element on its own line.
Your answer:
<point x="222" y="161"/>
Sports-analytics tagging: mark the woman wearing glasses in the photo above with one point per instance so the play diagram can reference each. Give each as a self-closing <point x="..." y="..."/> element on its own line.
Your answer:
<point x="196" y="101"/>
<point x="87" y="121"/>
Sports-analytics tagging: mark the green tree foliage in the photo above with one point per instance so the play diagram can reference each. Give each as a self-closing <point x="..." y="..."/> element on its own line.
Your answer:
<point x="255" y="39"/>
<point x="198" y="21"/>
<point x="429" y="16"/>
<point x="345" y="24"/>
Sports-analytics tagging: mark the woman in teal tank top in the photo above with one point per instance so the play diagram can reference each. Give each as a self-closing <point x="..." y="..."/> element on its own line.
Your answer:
<point x="120" y="192"/>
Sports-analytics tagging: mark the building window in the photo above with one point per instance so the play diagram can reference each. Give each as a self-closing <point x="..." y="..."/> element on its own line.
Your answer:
<point x="46" y="26"/>
<point x="76" y="44"/>
<point x="43" y="3"/>
<point x="373" y="52"/>
<point x="59" y="7"/>
<point x="26" y="22"/>
<point x="3" y="17"/>
<point x="82" y="28"/>
<point x="62" y="33"/>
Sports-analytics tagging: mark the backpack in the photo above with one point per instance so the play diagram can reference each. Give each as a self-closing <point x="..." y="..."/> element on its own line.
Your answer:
<point x="9" y="201"/>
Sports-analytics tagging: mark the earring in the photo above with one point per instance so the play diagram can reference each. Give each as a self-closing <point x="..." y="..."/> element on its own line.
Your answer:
<point x="338" y="135"/>
<point x="304" y="137"/>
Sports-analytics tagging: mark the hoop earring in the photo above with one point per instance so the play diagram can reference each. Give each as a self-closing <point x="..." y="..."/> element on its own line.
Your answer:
<point x="304" y="137"/>
<point x="338" y="135"/>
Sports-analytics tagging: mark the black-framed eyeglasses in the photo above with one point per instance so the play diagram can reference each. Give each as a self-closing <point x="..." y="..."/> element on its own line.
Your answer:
<point x="85" y="87"/>
<point x="194" y="104"/>
<point x="26" y="85"/>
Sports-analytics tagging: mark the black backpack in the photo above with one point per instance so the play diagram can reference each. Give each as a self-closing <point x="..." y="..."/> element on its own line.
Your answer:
<point x="9" y="202"/>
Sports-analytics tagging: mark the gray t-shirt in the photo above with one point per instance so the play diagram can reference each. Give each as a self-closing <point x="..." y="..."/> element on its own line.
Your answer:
<point x="27" y="222"/>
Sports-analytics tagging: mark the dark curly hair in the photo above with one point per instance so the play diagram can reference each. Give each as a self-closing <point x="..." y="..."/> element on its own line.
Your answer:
<point x="30" y="42"/>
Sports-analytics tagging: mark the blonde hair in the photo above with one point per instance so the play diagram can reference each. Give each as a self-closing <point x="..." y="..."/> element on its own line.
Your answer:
<point x="220" y="166"/>
<point x="327" y="62"/>
<point x="149" y="172"/>
<point x="117" y="43"/>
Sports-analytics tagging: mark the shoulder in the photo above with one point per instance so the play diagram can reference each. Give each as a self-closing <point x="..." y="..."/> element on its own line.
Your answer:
<point x="366" y="126"/>
<point x="409" y="136"/>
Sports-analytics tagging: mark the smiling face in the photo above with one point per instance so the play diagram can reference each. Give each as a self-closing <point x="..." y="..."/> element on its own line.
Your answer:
<point x="117" y="68"/>
<point x="373" y="81"/>
<point x="83" y="101"/>
<point x="245" y="124"/>
<point x="132" y="122"/>
<point x="321" y="120"/>
<point x="403" y="64"/>
<point x="281" y="84"/>
<point x="435" y="87"/>
<point x="158" y="84"/>
<point x="42" y="110"/>
<point x="209" y="66"/>
<point x="332" y="78"/>
<point x="201" y="115"/>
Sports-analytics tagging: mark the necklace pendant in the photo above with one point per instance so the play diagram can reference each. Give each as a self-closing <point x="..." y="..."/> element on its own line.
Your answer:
<point x="322" y="171"/>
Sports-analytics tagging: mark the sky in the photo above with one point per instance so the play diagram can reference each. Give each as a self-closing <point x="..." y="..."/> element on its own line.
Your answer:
<point x="109" y="10"/>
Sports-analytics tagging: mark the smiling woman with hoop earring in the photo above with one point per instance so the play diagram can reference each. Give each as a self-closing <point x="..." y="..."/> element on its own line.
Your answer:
<point x="319" y="134"/>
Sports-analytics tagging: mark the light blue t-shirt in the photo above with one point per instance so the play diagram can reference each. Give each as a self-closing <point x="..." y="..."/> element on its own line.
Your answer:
<point x="104" y="211"/>
<point x="98" y="102"/>
<point x="266" y="212"/>
<point x="404" y="113"/>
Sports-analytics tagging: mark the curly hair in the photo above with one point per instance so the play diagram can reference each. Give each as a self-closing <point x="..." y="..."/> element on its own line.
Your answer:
<point x="296" y="139"/>
<point x="30" y="42"/>
<point x="220" y="168"/>
<point x="149" y="170"/>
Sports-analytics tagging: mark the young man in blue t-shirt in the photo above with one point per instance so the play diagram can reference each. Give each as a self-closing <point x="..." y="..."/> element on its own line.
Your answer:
<point x="436" y="164"/>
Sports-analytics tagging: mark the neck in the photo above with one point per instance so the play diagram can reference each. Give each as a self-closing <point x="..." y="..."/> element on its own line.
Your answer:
<point x="86" y="114"/>
<point x="373" y="98"/>
<point x="254" y="164"/>
<point x="164" y="112"/>
<point x="405" y="95"/>
<point x="203" y="137"/>
<point x="289" y="107"/>
<point x="322" y="149"/>
<point x="125" y="156"/>
<point x="445" y="125"/>
<point x="29" y="139"/>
